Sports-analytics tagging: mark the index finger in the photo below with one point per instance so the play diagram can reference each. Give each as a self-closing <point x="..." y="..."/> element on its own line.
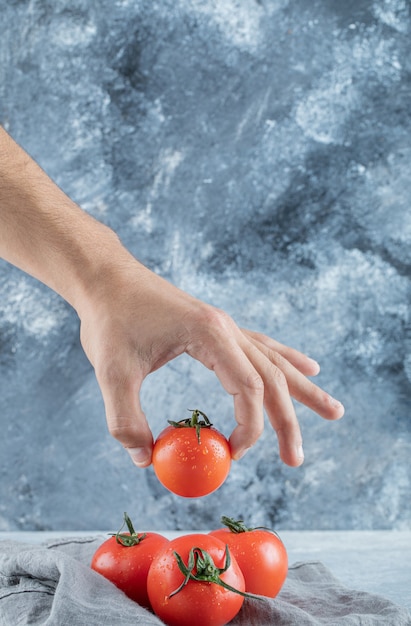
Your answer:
<point x="239" y="378"/>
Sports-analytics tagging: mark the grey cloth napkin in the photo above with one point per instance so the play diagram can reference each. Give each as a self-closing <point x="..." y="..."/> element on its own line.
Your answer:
<point x="53" y="585"/>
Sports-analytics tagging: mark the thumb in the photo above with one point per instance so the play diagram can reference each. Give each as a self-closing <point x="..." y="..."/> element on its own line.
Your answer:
<point x="125" y="418"/>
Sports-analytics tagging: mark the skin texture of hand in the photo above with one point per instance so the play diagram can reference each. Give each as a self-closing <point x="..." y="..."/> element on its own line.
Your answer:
<point x="133" y="321"/>
<point x="141" y="322"/>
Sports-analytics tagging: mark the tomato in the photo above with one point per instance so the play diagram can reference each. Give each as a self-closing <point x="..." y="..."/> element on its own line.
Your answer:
<point x="260" y="554"/>
<point x="125" y="560"/>
<point x="191" y="458"/>
<point x="179" y="586"/>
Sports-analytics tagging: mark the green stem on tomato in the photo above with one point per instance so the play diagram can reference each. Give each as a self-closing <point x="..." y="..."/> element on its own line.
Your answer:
<point x="235" y="526"/>
<point x="201" y="568"/>
<point x="238" y="526"/>
<point x="193" y="422"/>
<point x="131" y="539"/>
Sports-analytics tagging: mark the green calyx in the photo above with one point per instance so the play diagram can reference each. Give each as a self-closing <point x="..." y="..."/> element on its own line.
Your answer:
<point x="131" y="538"/>
<point x="201" y="568"/>
<point x="235" y="526"/>
<point x="238" y="526"/>
<point x="194" y="421"/>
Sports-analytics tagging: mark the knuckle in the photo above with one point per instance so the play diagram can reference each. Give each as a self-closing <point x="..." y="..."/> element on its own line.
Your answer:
<point x="216" y="320"/>
<point x="209" y="329"/>
<point x="289" y="432"/>
<point x="122" y="429"/>
<point x="277" y="360"/>
<point x="279" y="379"/>
<point x="255" y="383"/>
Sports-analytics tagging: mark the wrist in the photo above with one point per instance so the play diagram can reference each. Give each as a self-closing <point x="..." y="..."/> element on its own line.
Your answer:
<point x="97" y="268"/>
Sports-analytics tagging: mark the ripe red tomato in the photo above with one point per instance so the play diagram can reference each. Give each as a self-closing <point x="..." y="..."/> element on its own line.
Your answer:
<point x="191" y="458"/>
<point x="260" y="554"/>
<point x="182" y="595"/>
<point x="125" y="560"/>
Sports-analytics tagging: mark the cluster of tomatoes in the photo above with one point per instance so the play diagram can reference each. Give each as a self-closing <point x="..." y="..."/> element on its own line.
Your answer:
<point x="199" y="578"/>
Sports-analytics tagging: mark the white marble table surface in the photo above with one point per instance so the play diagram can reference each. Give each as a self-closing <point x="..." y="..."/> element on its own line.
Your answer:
<point x="374" y="561"/>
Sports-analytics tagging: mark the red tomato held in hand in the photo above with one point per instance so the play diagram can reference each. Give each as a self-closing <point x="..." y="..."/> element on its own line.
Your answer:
<point x="125" y="560"/>
<point x="179" y="586"/>
<point x="191" y="458"/>
<point x="260" y="554"/>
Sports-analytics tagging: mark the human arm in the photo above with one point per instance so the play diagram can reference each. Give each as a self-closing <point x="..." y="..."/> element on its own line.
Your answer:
<point x="133" y="321"/>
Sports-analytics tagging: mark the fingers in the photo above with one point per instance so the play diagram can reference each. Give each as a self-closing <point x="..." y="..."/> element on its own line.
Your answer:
<point x="218" y="349"/>
<point x="281" y="381"/>
<point x="279" y="406"/>
<point x="254" y="381"/>
<point x="125" y="419"/>
<point x="258" y="371"/>
<point x="289" y="382"/>
<point x="243" y="382"/>
<point x="300" y="387"/>
<point x="302" y="362"/>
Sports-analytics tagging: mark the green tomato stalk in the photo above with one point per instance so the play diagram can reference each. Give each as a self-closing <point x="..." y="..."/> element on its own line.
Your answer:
<point x="238" y="526"/>
<point x="131" y="539"/>
<point x="201" y="568"/>
<point x="193" y="422"/>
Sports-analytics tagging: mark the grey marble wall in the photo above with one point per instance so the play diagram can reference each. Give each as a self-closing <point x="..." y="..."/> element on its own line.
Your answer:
<point x="258" y="154"/>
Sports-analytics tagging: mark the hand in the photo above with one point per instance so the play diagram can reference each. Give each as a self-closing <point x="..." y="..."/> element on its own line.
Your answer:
<point x="135" y="322"/>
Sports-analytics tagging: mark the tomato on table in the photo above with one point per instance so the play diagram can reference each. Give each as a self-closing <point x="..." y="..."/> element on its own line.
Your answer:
<point x="260" y="554"/>
<point x="191" y="458"/>
<point x="194" y="581"/>
<point x="125" y="559"/>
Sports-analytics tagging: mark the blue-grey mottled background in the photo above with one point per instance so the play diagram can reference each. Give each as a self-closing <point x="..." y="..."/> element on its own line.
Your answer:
<point x="258" y="154"/>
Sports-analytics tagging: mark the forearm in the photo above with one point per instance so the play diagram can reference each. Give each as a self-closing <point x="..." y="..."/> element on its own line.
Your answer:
<point x="45" y="233"/>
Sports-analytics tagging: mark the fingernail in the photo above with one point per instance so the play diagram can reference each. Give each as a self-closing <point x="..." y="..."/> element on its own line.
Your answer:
<point x="140" y="456"/>
<point x="240" y="454"/>
<point x="300" y="453"/>
<point x="336" y="403"/>
<point x="315" y="363"/>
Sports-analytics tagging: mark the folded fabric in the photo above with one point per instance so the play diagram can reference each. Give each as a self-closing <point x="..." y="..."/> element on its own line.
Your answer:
<point x="53" y="585"/>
